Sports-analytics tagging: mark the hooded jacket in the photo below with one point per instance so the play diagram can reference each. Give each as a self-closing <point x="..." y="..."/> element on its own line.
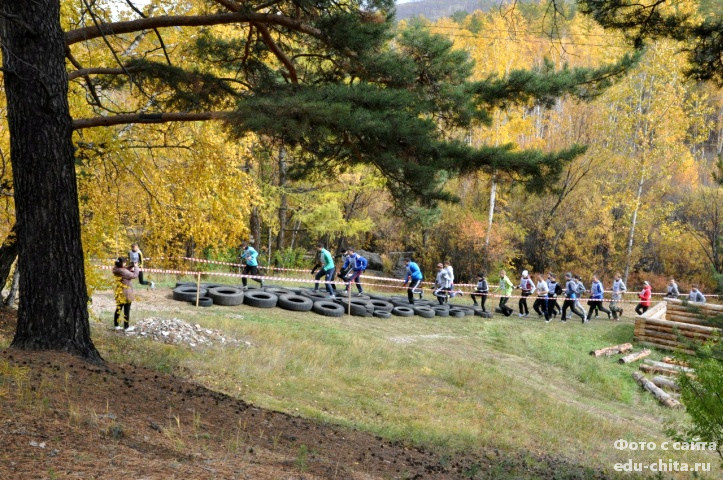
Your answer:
<point x="123" y="287"/>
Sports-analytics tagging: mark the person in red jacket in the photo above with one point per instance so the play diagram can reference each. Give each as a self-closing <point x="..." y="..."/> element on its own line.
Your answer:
<point x="644" y="295"/>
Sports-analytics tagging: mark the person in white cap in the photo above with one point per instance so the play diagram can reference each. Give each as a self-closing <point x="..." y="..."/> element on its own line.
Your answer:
<point x="644" y="295"/>
<point x="528" y="288"/>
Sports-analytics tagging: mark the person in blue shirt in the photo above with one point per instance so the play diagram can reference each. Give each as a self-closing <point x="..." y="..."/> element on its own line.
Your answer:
<point x="327" y="269"/>
<point x="251" y="264"/>
<point x="413" y="279"/>
<point x="358" y="264"/>
<point x="596" y="297"/>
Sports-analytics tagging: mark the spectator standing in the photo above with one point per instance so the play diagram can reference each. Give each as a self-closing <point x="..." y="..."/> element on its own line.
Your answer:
<point x="124" y="295"/>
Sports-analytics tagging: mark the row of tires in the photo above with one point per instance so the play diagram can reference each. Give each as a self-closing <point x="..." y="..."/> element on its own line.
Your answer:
<point x="304" y="300"/>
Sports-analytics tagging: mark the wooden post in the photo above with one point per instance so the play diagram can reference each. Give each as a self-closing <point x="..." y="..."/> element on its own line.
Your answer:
<point x="349" y="300"/>
<point x="198" y="288"/>
<point x="663" y="397"/>
<point x="634" y="357"/>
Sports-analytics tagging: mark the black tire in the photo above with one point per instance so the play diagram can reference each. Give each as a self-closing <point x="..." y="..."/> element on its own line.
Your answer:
<point x="278" y="291"/>
<point x="260" y="299"/>
<point x="479" y="313"/>
<point x="226" y="295"/>
<point x="185" y="284"/>
<point x="424" y="312"/>
<point x="188" y="293"/>
<point x="318" y="295"/>
<point x="202" y="302"/>
<point x="467" y="310"/>
<point x="359" y="308"/>
<point x="295" y="303"/>
<point x="403" y="311"/>
<point x="328" y="308"/>
<point x="383" y="298"/>
<point x="382" y="314"/>
<point x="487" y="315"/>
<point x="209" y="285"/>
<point x="398" y="298"/>
<point x="457" y="313"/>
<point x="381" y="305"/>
<point x="441" y="311"/>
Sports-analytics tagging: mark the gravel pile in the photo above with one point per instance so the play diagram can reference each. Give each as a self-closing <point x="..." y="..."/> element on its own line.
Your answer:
<point x="178" y="332"/>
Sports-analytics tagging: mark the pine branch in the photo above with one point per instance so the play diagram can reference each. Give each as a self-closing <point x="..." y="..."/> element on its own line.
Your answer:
<point x="130" y="118"/>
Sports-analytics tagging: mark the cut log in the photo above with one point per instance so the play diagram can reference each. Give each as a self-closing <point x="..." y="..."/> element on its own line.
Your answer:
<point x="663" y="371"/>
<point x="664" y="382"/>
<point x="634" y="357"/>
<point x="681" y="326"/>
<point x="673" y="344"/>
<point x="615" y="349"/>
<point x="675" y="361"/>
<point x="676" y="317"/>
<point x="663" y="397"/>
<point x="655" y="344"/>
<point x="669" y="366"/>
<point x="673" y="334"/>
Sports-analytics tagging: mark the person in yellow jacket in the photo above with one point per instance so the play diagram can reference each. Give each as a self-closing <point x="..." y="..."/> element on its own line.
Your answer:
<point x="505" y="287"/>
<point x="124" y="274"/>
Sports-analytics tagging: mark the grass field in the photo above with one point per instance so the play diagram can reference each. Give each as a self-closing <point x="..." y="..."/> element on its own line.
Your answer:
<point x="451" y="384"/>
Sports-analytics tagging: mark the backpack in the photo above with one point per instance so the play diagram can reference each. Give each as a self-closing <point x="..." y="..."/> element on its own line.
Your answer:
<point x="558" y="289"/>
<point x="363" y="263"/>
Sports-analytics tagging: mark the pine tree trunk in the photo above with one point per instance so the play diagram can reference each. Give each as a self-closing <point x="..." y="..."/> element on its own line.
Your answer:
<point x="53" y="309"/>
<point x="284" y="204"/>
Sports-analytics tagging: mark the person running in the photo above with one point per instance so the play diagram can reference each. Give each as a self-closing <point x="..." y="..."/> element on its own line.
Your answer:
<point x="528" y="288"/>
<point x="542" y="302"/>
<point x="327" y="269"/>
<point x="554" y="290"/>
<point x="570" y="297"/>
<point x="413" y="279"/>
<point x="596" y="298"/>
<point x="135" y="256"/>
<point x="619" y="289"/>
<point x="673" y="291"/>
<point x="505" y="287"/>
<point x="249" y="256"/>
<point x="481" y="290"/>
<point x="358" y="265"/>
<point x="442" y="284"/>
<point x="695" y="295"/>
<point x="125" y="274"/>
<point x="644" y="296"/>
<point x="579" y="292"/>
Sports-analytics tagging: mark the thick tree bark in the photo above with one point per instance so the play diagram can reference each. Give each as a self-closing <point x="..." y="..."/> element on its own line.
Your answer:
<point x="53" y="308"/>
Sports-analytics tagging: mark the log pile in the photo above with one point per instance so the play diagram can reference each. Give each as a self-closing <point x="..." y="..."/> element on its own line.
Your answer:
<point x="683" y="325"/>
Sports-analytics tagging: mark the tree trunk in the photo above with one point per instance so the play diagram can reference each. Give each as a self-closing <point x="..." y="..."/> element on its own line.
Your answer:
<point x="663" y="397"/>
<point x="13" y="293"/>
<point x="8" y="254"/>
<point x="633" y="223"/>
<point x="284" y="204"/>
<point x="256" y="228"/>
<point x="53" y="309"/>
<point x="490" y="218"/>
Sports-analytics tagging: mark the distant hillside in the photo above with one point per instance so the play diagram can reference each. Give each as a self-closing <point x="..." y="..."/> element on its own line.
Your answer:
<point x="434" y="9"/>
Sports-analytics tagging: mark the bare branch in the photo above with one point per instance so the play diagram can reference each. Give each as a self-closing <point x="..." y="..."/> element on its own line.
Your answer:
<point x="277" y="51"/>
<point x="158" y="34"/>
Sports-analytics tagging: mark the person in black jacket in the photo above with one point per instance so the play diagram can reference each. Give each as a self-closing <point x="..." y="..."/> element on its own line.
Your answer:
<point x="481" y="290"/>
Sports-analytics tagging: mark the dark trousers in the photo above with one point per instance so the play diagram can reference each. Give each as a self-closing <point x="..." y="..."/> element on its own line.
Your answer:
<point x="125" y="310"/>
<point x="251" y="270"/>
<point x="641" y="309"/>
<point x="413" y="285"/>
<point x="596" y="306"/>
<point x="482" y="299"/>
<point x="442" y="295"/>
<point x="553" y="307"/>
<point x="522" y="304"/>
<point x="327" y="275"/>
<point x="354" y="276"/>
<point x="507" y="311"/>
<point x="140" y="279"/>
<point x="570" y="303"/>
<point x="542" y="307"/>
